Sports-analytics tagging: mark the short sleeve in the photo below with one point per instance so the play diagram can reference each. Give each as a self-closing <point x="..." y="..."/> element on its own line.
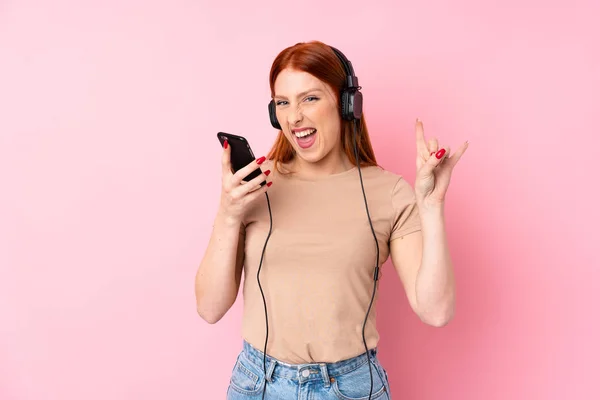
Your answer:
<point x="406" y="217"/>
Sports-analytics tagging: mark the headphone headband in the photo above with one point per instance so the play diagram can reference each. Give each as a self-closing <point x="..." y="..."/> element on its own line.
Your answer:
<point x="351" y="79"/>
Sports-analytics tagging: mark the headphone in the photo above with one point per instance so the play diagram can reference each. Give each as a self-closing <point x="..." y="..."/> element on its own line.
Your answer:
<point x="350" y="98"/>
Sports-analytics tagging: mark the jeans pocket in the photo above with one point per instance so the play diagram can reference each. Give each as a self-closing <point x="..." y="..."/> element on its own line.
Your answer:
<point x="356" y="384"/>
<point x="387" y="381"/>
<point x="244" y="379"/>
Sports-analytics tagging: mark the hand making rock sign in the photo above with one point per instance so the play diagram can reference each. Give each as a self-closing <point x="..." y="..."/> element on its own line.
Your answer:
<point x="434" y="168"/>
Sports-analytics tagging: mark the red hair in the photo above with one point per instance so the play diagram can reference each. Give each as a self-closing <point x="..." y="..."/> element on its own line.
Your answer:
<point x="319" y="60"/>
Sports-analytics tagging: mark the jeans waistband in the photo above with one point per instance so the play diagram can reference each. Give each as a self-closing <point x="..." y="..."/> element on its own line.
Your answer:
<point x="304" y="372"/>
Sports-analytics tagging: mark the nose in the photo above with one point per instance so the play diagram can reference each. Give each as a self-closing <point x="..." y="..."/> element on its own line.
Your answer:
<point x="295" y="115"/>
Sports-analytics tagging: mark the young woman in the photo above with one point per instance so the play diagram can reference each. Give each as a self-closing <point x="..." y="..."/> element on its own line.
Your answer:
<point x="311" y="241"/>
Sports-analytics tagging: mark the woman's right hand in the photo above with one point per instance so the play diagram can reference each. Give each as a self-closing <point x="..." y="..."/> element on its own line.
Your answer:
<point x="237" y="194"/>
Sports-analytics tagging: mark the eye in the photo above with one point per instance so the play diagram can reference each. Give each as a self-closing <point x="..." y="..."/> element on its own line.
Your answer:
<point x="280" y="102"/>
<point x="312" y="97"/>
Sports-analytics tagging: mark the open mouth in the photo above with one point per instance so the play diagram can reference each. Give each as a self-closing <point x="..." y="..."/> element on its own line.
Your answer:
<point x="306" y="137"/>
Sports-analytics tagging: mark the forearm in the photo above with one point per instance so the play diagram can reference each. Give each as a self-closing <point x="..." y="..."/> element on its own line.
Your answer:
<point x="435" y="288"/>
<point x="216" y="283"/>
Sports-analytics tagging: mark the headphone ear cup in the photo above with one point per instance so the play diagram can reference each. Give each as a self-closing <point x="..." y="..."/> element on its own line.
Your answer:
<point x="273" y="115"/>
<point x="357" y="104"/>
<point x="351" y="104"/>
<point x="345" y="102"/>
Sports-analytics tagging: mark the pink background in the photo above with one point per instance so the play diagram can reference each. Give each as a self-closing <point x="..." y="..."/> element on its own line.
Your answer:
<point x="109" y="171"/>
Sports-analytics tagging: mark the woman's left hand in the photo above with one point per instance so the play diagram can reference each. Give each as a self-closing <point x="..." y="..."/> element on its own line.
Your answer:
<point x="434" y="168"/>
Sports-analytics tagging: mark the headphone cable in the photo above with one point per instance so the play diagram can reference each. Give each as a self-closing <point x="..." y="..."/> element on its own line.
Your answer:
<point x="263" y="295"/>
<point x="376" y="273"/>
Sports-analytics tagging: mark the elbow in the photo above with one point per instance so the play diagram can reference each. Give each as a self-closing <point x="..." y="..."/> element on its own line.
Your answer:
<point x="208" y="310"/>
<point x="438" y="321"/>
<point x="212" y="308"/>
<point x="439" y="317"/>
<point x="208" y="316"/>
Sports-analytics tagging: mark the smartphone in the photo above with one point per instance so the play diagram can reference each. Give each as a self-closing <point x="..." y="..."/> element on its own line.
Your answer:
<point x="241" y="154"/>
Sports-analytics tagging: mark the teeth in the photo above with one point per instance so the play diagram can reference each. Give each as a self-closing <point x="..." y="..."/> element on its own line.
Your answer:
<point x="305" y="132"/>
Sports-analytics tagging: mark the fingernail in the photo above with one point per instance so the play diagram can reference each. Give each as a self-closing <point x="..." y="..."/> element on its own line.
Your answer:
<point x="432" y="153"/>
<point x="261" y="160"/>
<point x="267" y="172"/>
<point x="225" y="144"/>
<point x="440" y="153"/>
<point x="269" y="184"/>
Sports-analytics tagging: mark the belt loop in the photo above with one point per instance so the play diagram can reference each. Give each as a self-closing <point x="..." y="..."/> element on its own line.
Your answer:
<point x="373" y="355"/>
<point x="270" y="370"/>
<point x="325" y="374"/>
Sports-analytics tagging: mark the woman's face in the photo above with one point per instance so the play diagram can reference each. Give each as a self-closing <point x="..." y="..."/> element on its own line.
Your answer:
<point x="308" y="113"/>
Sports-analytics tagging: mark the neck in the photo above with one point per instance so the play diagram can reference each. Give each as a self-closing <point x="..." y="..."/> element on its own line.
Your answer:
<point x="333" y="163"/>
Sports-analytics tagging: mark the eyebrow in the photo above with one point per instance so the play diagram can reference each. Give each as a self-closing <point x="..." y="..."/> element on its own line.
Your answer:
<point x="300" y="94"/>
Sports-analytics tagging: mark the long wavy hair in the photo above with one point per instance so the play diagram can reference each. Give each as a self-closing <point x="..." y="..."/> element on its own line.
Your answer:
<point x="319" y="60"/>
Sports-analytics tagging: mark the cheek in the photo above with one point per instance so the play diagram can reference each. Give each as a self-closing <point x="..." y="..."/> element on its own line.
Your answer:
<point x="328" y="119"/>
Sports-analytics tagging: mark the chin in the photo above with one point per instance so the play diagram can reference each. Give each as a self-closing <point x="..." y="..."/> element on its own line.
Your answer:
<point x="313" y="155"/>
<point x="311" y="158"/>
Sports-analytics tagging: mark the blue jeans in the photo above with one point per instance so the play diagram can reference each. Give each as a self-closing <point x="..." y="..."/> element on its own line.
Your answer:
<point x="343" y="380"/>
